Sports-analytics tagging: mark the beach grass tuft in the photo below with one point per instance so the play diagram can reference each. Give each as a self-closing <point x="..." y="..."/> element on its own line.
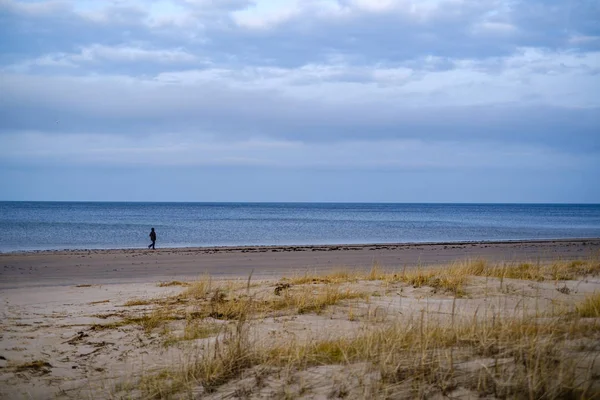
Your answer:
<point x="173" y="283"/>
<point x="590" y="307"/>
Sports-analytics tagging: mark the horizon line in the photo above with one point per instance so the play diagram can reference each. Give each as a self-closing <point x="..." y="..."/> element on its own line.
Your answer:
<point x="295" y="202"/>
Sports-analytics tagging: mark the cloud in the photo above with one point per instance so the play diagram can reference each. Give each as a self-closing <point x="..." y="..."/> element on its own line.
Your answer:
<point x="311" y="72"/>
<point x="35" y="9"/>
<point x="499" y="28"/>
<point x="95" y="55"/>
<point x="582" y="39"/>
<point x="204" y="150"/>
<point x="118" y="54"/>
<point x="295" y="33"/>
<point x="512" y="91"/>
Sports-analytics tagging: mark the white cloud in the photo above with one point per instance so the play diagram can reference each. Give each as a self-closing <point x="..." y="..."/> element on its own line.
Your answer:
<point x="126" y="53"/>
<point x="206" y="150"/>
<point x="111" y="54"/>
<point x="57" y="60"/>
<point x="266" y="14"/>
<point x="583" y="39"/>
<point x="374" y="5"/>
<point x="494" y="28"/>
<point x="371" y="93"/>
<point x="559" y="79"/>
<point x="37" y="8"/>
<point x="418" y="10"/>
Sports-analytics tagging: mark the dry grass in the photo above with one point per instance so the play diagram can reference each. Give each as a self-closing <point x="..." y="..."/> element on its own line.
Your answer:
<point x="173" y="283"/>
<point x="204" y="299"/>
<point x="193" y="330"/>
<point x="37" y="365"/>
<point x="503" y="357"/>
<point x="198" y="289"/>
<point x="111" y="325"/>
<point x="138" y="302"/>
<point x="590" y="307"/>
<point x="154" y="319"/>
<point x="225" y="359"/>
<point x="310" y="299"/>
<point x="537" y="271"/>
<point x="526" y="355"/>
<point x="453" y="278"/>
<point x="148" y="321"/>
<point x="522" y="357"/>
<point x="335" y="277"/>
<point x="450" y="280"/>
<point x="298" y="299"/>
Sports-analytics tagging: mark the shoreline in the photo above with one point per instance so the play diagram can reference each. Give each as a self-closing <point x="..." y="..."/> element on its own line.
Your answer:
<point x="299" y="246"/>
<point x="103" y="267"/>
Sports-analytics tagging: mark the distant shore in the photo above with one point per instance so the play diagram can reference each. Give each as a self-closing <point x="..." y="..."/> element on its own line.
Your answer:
<point x="94" y="266"/>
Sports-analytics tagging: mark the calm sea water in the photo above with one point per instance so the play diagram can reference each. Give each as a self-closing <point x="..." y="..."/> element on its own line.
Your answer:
<point x="89" y="225"/>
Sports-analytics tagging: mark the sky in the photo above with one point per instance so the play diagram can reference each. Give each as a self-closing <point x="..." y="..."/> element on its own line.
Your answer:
<point x="300" y="100"/>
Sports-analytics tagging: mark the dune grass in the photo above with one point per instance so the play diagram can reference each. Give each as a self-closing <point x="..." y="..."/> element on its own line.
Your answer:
<point x="522" y="357"/>
<point x="526" y="354"/>
<point x="453" y="278"/>
<point x="298" y="300"/>
<point x="193" y="330"/>
<point x="504" y="357"/>
<point x="138" y="302"/>
<point x="590" y="307"/>
<point x="173" y="283"/>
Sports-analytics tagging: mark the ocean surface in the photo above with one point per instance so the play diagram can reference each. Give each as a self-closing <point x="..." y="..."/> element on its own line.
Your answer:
<point x="100" y="225"/>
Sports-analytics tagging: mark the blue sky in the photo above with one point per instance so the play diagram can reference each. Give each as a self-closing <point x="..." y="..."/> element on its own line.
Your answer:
<point x="312" y="100"/>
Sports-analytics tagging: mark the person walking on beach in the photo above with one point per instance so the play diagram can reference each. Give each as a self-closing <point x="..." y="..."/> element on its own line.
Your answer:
<point x="153" y="238"/>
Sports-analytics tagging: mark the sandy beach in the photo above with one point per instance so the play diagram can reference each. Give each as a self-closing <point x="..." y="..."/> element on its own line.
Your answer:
<point x="58" y="268"/>
<point x="75" y="323"/>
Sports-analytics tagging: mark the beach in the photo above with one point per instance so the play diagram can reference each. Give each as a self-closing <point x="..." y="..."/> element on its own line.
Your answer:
<point x="63" y="268"/>
<point x="73" y="322"/>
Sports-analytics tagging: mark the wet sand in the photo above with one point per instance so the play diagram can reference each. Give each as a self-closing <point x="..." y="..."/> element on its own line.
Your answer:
<point x="60" y="268"/>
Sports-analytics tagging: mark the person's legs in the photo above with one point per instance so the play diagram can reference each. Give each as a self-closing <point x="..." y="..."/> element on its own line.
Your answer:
<point x="153" y="243"/>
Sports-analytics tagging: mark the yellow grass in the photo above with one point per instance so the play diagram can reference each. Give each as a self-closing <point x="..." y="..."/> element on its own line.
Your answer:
<point x="453" y="278"/>
<point x="335" y="277"/>
<point x="137" y="302"/>
<point x="301" y="299"/>
<point x="518" y="357"/>
<point x="311" y="299"/>
<point x="590" y="307"/>
<point x="528" y="355"/>
<point x="173" y="283"/>
<point x="194" y="330"/>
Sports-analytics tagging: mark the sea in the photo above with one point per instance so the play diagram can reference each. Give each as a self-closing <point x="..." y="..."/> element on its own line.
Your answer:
<point x="30" y="226"/>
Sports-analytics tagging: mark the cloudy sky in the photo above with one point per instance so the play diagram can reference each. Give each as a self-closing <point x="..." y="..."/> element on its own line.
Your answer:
<point x="300" y="100"/>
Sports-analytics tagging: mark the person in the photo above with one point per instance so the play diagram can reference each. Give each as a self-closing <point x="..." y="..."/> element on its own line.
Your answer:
<point x="153" y="238"/>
